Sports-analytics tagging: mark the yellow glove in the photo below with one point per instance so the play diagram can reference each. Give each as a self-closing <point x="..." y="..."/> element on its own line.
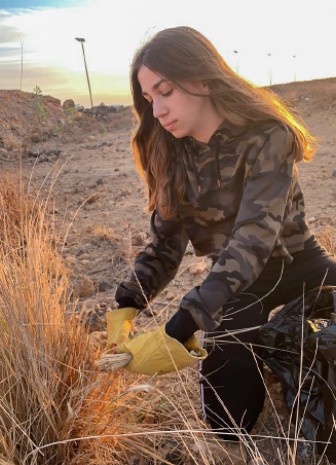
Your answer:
<point x="119" y="325"/>
<point x="156" y="352"/>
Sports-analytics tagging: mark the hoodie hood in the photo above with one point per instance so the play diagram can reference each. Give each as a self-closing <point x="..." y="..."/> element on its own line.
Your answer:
<point x="198" y="153"/>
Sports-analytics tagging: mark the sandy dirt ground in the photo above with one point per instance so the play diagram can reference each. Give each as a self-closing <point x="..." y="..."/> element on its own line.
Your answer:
<point x="83" y="161"/>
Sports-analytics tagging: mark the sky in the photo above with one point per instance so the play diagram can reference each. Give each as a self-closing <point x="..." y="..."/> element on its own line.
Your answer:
<point x="266" y="41"/>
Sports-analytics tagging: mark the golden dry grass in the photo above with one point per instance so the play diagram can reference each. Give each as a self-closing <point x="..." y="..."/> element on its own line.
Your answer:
<point x="327" y="237"/>
<point x="56" y="408"/>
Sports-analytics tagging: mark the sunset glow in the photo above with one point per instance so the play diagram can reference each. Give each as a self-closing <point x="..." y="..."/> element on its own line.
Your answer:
<point x="265" y="43"/>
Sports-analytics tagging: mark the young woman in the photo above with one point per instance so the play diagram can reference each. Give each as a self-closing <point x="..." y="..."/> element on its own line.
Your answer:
<point x="219" y="157"/>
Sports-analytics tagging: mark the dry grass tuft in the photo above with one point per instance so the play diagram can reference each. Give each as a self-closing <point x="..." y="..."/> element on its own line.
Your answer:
<point x="104" y="233"/>
<point x="56" y="407"/>
<point x="327" y="237"/>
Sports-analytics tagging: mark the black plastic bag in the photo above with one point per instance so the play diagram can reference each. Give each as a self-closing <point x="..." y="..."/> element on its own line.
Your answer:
<point x="300" y="348"/>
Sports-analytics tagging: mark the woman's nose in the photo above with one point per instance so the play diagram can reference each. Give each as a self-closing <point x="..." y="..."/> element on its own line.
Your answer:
<point x="159" y="108"/>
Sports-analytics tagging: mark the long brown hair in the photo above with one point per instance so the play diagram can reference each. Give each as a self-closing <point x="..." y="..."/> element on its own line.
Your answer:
<point x="184" y="54"/>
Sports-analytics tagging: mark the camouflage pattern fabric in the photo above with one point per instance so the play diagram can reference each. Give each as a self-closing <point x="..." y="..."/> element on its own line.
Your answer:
<point x="243" y="204"/>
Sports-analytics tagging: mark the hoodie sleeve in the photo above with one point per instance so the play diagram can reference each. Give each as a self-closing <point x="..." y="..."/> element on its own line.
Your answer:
<point x="257" y="226"/>
<point x="157" y="265"/>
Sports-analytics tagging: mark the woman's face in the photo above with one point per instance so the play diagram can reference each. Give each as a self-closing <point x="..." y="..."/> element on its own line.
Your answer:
<point x="180" y="113"/>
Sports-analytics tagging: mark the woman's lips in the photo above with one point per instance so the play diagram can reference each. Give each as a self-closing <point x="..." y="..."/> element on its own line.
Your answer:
<point x="169" y="126"/>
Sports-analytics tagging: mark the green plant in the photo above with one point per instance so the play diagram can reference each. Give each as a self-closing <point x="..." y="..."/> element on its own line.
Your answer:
<point x="39" y="105"/>
<point x="70" y="115"/>
<point x="104" y="130"/>
<point x="57" y="128"/>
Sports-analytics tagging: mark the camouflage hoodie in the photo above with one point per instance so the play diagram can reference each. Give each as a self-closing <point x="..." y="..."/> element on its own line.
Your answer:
<point x="243" y="204"/>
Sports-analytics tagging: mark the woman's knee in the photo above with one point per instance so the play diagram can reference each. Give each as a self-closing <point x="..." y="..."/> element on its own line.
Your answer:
<point x="232" y="394"/>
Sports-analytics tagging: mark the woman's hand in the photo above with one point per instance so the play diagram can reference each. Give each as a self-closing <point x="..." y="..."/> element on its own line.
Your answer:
<point x="156" y="353"/>
<point x="119" y="325"/>
<point x="181" y="326"/>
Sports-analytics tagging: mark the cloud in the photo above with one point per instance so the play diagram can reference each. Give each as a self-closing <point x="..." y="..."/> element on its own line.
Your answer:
<point x="10" y="39"/>
<point x="8" y="34"/>
<point x="44" y="77"/>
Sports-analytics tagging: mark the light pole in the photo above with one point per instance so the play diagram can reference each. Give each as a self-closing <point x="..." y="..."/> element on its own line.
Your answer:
<point x="82" y="40"/>
<point x="21" y="74"/>
<point x="237" y="65"/>
<point x="270" y="69"/>
<point x="294" y="61"/>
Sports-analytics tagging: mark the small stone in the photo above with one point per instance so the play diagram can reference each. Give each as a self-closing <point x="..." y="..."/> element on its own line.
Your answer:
<point x="84" y="256"/>
<point x="312" y="219"/>
<point x="198" y="268"/>
<point x="34" y="152"/>
<point x="84" y="287"/>
<point x="36" y="137"/>
<point x="88" y="306"/>
<point x="90" y="316"/>
<point x="43" y="158"/>
<point x="334" y="173"/>
<point x="104" y="286"/>
<point x="170" y="295"/>
<point x="138" y="239"/>
<point x="70" y="260"/>
<point x="68" y="104"/>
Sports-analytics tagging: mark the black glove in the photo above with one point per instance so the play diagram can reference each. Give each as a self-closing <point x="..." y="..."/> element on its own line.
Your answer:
<point x="181" y="326"/>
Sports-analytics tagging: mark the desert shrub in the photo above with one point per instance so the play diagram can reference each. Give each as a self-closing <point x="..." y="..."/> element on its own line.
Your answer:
<point x="41" y="112"/>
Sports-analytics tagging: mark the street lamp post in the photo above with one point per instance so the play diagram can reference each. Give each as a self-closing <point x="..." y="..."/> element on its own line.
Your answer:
<point x="270" y="69"/>
<point x="294" y="60"/>
<point x="237" y="65"/>
<point x="21" y="73"/>
<point x="82" y="40"/>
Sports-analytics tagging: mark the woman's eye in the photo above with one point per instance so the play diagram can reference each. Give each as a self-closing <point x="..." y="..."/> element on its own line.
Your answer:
<point x="169" y="92"/>
<point x="163" y="94"/>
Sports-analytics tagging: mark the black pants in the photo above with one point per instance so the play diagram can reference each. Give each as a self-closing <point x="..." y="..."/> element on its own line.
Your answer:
<point x="232" y="388"/>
